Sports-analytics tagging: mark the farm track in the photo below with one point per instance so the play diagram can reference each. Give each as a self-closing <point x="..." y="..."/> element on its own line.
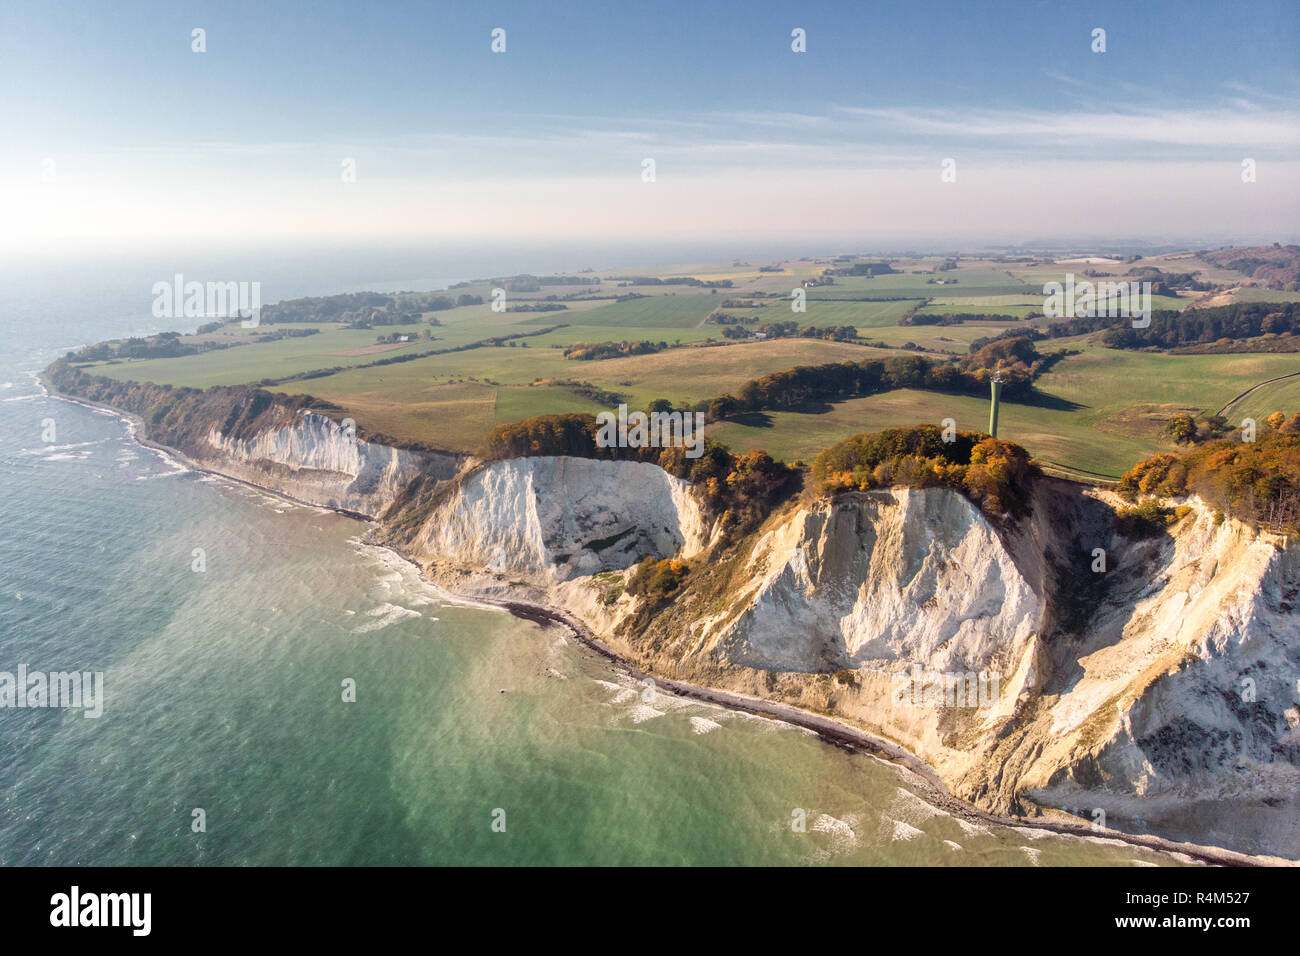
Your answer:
<point x="1280" y="378"/>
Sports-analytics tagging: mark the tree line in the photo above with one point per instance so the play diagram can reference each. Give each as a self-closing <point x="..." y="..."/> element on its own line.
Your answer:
<point x="808" y="384"/>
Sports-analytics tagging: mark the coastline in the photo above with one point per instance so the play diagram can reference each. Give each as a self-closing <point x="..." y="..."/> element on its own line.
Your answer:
<point x="844" y="736"/>
<point x="850" y="739"/>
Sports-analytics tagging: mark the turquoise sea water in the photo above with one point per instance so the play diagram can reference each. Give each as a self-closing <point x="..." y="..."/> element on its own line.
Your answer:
<point x="223" y="687"/>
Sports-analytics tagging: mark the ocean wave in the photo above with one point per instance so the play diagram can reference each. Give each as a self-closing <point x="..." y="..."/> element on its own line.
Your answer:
<point x="908" y="806"/>
<point x="67" y="456"/>
<point x="972" y="829"/>
<point x="1033" y="833"/>
<point x="904" y="831"/>
<point x="45" y="449"/>
<point x="163" y="474"/>
<point x="643" y="712"/>
<point x="386" y="615"/>
<point x="702" y="725"/>
<point x="842" y="833"/>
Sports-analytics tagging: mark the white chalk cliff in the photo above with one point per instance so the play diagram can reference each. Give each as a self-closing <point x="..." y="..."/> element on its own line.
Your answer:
<point x="557" y="518"/>
<point x="1162" y="690"/>
<point x="1170" y="700"/>
<point x="318" y="461"/>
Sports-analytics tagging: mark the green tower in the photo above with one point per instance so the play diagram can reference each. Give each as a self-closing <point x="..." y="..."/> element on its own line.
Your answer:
<point x="995" y="383"/>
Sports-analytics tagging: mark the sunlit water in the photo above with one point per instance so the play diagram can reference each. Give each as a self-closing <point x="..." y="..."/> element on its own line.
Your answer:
<point x="224" y="689"/>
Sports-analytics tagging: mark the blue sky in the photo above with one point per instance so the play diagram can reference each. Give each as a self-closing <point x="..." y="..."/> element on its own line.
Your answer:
<point x="149" y="139"/>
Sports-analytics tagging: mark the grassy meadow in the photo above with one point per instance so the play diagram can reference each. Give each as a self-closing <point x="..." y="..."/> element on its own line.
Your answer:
<point x="1094" y="413"/>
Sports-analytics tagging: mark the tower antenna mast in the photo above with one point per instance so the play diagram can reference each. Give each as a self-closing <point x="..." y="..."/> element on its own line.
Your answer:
<point x="995" y="384"/>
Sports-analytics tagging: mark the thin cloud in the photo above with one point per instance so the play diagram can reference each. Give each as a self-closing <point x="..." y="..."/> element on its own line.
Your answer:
<point x="1258" y="128"/>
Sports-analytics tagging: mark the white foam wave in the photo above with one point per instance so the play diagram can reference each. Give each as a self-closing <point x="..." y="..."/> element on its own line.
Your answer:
<point x="702" y="725"/>
<point x="386" y="615"/>
<point x="643" y="712"/>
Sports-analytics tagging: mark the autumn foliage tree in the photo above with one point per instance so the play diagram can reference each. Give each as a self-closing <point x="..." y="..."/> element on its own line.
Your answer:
<point x="656" y="580"/>
<point x="995" y="474"/>
<point x="1257" y="482"/>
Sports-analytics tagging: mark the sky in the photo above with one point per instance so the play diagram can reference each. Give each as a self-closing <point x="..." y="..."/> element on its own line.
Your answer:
<point x="114" y="130"/>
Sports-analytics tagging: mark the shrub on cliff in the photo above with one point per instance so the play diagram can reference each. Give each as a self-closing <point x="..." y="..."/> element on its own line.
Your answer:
<point x="655" y="581"/>
<point x="995" y="474"/>
<point x="1143" y="521"/>
<point x="1257" y="482"/>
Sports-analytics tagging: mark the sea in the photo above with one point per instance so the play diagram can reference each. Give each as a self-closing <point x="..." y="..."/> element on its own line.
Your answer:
<point x="275" y="691"/>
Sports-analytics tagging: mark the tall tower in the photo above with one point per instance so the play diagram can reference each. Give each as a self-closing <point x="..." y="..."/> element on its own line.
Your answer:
<point x="995" y="383"/>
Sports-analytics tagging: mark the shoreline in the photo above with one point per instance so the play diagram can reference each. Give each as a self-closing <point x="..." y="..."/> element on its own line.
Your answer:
<point x="848" y="738"/>
<point x="827" y="729"/>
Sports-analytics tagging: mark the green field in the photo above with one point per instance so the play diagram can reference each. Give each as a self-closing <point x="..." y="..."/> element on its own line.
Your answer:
<point x="1089" y="430"/>
<point x="1283" y="396"/>
<point x="863" y="315"/>
<point x="1097" y="413"/>
<point x="681" y="310"/>
<point x="1256" y="294"/>
<point x="1053" y="436"/>
<point x="453" y="400"/>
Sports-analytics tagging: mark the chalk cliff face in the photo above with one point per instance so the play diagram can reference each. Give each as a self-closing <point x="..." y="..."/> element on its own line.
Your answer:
<point x="1159" y="686"/>
<point x="1179" y="705"/>
<point x="878" y="578"/>
<point x="315" y="459"/>
<point x="884" y="585"/>
<point x="557" y="519"/>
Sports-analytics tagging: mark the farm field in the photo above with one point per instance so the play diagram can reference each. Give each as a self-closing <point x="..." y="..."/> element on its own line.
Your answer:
<point x="1096" y="412"/>
<point x="1053" y="436"/>
<point x="863" y="315"/>
<point x="333" y="346"/>
<point x="1090" y="419"/>
<point x="671" y="311"/>
<point x="1256" y="294"/>
<point x="411" y="399"/>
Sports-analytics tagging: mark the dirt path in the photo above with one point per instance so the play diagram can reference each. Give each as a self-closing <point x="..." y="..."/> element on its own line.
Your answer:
<point x="1224" y="409"/>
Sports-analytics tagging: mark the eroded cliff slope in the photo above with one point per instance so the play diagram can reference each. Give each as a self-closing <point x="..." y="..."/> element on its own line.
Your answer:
<point x="316" y="459"/>
<point x="1161" y="682"/>
<point x="1154" y="679"/>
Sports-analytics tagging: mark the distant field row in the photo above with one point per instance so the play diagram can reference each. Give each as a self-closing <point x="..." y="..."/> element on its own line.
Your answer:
<point x="1098" y="412"/>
